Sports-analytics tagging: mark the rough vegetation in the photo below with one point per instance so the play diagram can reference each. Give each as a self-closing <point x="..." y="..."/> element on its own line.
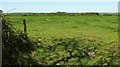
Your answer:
<point x="16" y="48"/>
<point x="60" y="49"/>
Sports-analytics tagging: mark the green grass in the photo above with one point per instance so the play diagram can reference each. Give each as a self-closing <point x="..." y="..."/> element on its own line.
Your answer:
<point x="99" y="27"/>
<point x="99" y="31"/>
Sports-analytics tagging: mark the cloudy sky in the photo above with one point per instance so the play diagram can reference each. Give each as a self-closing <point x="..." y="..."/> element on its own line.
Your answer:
<point x="59" y="5"/>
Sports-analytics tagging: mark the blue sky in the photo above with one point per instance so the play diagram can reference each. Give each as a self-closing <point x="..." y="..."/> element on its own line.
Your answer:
<point x="59" y="6"/>
<point x="59" y="0"/>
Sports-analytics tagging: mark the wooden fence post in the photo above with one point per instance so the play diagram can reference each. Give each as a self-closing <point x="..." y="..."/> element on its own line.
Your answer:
<point x="25" y="28"/>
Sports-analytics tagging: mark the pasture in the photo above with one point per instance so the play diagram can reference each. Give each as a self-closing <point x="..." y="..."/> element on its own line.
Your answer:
<point x="99" y="32"/>
<point x="99" y="27"/>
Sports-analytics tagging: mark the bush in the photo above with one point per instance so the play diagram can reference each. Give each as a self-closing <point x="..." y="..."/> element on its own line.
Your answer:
<point x="15" y="45"/>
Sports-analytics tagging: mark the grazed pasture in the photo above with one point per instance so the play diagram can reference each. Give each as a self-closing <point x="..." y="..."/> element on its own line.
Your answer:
<point x="99" y="27"/>
<point x="91" y="32"/>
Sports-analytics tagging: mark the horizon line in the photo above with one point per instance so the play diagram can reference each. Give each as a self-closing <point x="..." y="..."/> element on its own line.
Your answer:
<point x="65" y="12"/>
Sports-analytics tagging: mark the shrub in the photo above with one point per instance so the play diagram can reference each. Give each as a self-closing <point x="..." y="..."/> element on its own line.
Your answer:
<point x="15" y="46"/>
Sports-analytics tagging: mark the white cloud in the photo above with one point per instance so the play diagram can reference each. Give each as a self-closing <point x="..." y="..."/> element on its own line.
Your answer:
<point x="59" y="0"/>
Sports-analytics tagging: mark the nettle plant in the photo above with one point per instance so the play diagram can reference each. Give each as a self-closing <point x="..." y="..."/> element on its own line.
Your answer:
<point x="75" y="51"/>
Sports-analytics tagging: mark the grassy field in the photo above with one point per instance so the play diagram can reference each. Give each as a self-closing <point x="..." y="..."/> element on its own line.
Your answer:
<point x="98" y="28"/>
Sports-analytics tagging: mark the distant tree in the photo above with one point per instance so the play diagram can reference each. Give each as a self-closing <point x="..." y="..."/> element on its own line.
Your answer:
<point x="1" y="11"/>
<point x="61" y="13"/>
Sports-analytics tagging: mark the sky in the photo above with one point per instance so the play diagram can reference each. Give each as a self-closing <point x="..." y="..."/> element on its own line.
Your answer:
<point x="63" y="6"/>
<point x="59" y="0"/>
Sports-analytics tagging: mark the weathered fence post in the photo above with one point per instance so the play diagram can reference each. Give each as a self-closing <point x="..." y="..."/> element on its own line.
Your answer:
<point x="25" y="28"/>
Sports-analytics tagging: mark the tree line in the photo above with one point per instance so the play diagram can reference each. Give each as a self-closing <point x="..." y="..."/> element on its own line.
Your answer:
<point x="66" y="14"/>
